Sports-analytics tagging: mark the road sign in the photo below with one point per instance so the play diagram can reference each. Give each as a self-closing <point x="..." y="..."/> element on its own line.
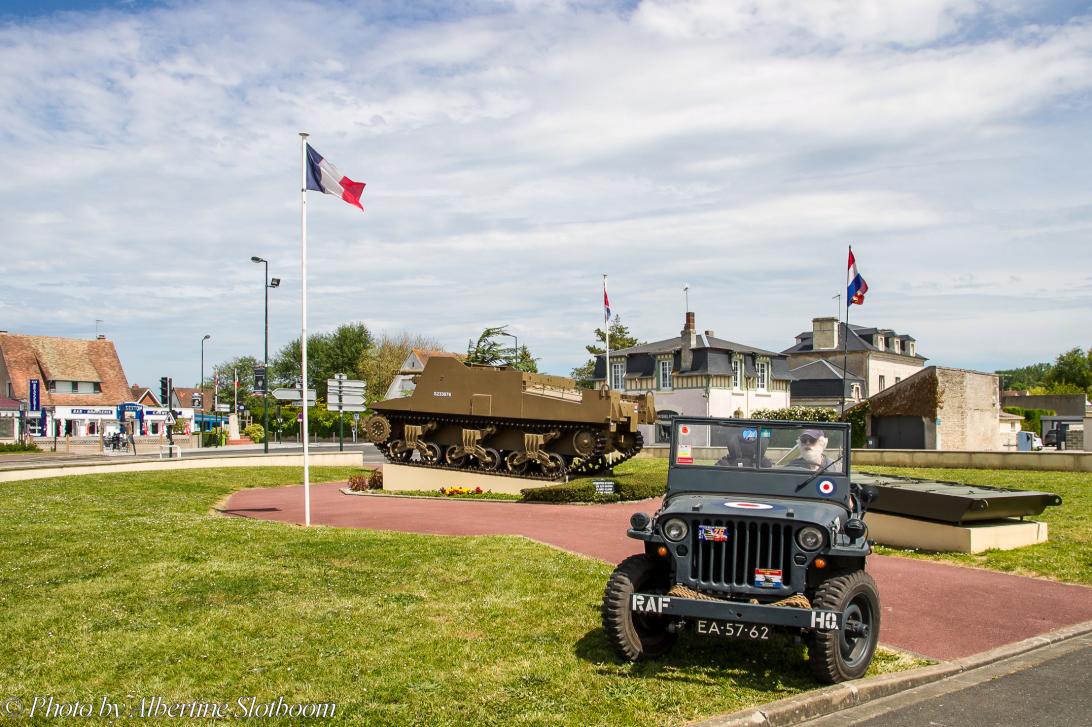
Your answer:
<point x="299" y="417"/>
<point x="223" y="407"/>
<point x="346" y="407"/>
<point x="343" y="398"/>
<point x="293" y="395"/>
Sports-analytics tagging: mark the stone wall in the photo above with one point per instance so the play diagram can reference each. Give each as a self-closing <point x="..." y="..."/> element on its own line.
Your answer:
<point x="968" y="410"/>
<point x="1047" y="460"/>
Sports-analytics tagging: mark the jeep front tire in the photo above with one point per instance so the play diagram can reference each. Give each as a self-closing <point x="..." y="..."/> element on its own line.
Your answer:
<point x="844" y="654"/>
<point x="636" y="636"/>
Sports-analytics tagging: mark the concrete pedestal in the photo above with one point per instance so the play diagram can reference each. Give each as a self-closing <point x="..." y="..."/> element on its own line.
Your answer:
<point x="402" y="477"/>
<point x="904" y="532"/>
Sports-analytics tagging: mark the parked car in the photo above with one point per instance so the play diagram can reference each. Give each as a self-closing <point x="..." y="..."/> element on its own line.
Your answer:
<point x="1050" y="439"/>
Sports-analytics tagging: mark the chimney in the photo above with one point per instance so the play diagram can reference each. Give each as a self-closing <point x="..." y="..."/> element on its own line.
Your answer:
<point x="710" y="334"/>
<point x="100" y="337"/>
<point x="689" y="337"/>
<point x="824" y="333"/>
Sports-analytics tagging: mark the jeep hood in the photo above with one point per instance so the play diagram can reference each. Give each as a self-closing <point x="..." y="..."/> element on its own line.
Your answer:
<point x="747" y="506"/>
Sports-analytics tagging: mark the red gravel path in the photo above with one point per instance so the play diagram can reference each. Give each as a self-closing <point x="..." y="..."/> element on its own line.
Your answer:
<point x="934" y="609"/>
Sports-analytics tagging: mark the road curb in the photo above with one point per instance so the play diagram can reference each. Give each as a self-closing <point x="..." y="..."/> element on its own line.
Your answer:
<point x="828" y="700"/>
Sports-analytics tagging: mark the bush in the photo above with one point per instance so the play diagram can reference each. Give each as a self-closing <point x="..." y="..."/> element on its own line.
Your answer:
<point x="367" y="481"/>
<point x="796" y="413"/>
<point x="20" y="447"/>
<point x="214" y="438"/>
<point x="1032" y="417"/>
<point x="584" y="491"/>
<point x="255" y="432"/>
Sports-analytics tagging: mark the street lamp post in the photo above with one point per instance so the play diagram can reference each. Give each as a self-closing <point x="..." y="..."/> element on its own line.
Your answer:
<point x="516" y="349"/>
<point x="267" y="283"/>
<point x="201" y="388"/>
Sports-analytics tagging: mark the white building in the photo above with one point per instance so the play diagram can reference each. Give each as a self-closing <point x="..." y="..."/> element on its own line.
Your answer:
<point x="698" y="374"/>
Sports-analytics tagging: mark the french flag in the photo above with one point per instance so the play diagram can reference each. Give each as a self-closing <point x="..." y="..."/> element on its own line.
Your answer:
<point x="322" y="176"/>
<point x="857" y="285"/>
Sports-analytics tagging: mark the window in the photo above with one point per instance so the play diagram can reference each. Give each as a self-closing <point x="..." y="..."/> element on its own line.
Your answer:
<point x="617" y="375"/>
<point x="855" y="391"/>
<point x="879" y="342"/>
<point x="898" y="379"/>
<point x="737" y="373"/>
<point x="664" y="378"/>
<point x="896" y="345"/>
<point x="762" y="373"/>
<point x="96" y="387"/>
<point x="11" y="391"/>
<point x="663" y="425"/>
<point x="911" y="348"/>
<point x="52" y="386"/>
<point x="883" y="382"/>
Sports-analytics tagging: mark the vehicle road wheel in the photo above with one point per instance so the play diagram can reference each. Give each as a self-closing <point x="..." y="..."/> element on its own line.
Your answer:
<point x="400" y="456"/>
<point x="455" y="456"/>
<point x="490" y="461"/>
<point x="433" y="456"/>
<point x="837" y="656"/>
<point x="636" y="636"/>
<point x="555" y="465"/>
<point x="511" y="463"/>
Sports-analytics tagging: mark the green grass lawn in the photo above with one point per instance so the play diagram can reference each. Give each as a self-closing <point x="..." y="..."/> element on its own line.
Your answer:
<point x="129" y="586"/>
<point x="1067" y="554"/>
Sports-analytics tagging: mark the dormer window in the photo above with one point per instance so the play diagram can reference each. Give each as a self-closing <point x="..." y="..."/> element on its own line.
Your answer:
<point x="896" y="345"/>
<point x="879" y="343"/>
<point x="762" y="374"/>
<point x="737" y="373"/>
<point x="663" y="369"/>
<point x="911" y="344"/>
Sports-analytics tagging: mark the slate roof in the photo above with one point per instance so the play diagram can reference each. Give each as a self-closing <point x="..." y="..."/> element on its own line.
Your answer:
<point x="821" y="369"/>
<point x="859" y="339"/>
<point x="701" y="341"/>
<point x="49" y="358"/>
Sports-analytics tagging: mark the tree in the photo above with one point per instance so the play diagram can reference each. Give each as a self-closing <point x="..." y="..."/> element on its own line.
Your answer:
<point x="620" y="338"/>
<point x="226" y="369"/>
<point x="490" y="352"/>
<point x="1025" y="377"/>
<point x="383" y="360"/>
<point x="1073" y="367"/>
<point x="338" y="352"/>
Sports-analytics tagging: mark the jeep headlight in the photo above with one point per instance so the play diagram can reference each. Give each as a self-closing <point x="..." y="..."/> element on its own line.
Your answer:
<point x="809" y="538"/>
<point x="674" y="529"/>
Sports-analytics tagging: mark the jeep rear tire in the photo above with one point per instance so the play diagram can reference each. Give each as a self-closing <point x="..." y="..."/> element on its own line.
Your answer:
<point x="844" y="654"/>
<point x="636" y="636"/>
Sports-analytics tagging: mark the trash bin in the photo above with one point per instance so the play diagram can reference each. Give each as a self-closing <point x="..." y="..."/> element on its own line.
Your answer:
<point x="1025" y="441"/>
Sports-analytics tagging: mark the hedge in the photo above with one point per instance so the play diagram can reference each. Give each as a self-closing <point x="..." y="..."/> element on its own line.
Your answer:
<point x="1032" y="417"/>
<point x="583" y="490"/>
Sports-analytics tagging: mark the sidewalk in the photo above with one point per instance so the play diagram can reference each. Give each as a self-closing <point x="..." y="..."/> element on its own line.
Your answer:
<point x="936" y="610"/>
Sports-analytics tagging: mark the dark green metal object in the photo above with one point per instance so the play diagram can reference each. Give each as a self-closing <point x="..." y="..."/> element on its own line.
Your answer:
<point x="951" y="502"/>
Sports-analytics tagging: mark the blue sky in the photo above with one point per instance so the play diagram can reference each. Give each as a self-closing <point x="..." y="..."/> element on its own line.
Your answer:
<point x="515" y="151"/>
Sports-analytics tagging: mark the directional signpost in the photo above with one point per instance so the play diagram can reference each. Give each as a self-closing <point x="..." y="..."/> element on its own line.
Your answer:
<point x="293" y="396"/>
<point x="344" y="394"/>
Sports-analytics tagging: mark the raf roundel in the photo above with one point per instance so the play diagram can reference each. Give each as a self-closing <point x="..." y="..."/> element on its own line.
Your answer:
<point x="826" y="488"/>
<point x="749" y="505"/>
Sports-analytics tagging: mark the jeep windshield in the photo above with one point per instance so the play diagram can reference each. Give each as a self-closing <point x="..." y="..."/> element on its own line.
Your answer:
<point x="764" y="446"/>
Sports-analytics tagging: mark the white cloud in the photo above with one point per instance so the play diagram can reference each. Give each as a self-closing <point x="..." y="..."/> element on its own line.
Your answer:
<point x="514" y="153"/>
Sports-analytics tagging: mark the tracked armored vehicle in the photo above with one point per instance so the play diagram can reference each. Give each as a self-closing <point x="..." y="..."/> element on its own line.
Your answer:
<point x="507" y="421"/>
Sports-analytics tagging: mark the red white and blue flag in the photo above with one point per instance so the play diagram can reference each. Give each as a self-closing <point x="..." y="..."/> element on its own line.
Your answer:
<point x="857" y="285"/>
<point x="606" y="303"/>
<point x="322" y="176"/>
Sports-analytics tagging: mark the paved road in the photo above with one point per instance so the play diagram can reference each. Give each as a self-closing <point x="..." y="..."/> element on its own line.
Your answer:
<point x="371" y="455"/>
<point x="1047" y="687"/>
<point x="934" y="609"/>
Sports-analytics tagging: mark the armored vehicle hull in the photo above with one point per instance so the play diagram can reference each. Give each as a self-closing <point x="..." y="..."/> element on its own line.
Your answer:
<point x="510" y="422"/>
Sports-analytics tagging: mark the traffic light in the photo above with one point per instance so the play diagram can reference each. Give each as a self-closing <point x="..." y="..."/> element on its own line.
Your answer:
<point x="165" y="391"/>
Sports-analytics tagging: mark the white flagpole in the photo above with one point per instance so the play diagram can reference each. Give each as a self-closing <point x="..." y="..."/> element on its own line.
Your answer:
<point x="303" y="327"/>
<point x="606" y="330"/>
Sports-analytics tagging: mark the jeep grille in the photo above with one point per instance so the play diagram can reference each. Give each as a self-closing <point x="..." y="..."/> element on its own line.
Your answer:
<point x="751" y="544"/>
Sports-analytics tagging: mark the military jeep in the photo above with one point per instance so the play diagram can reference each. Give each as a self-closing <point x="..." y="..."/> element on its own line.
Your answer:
<point x="761" y="532"/>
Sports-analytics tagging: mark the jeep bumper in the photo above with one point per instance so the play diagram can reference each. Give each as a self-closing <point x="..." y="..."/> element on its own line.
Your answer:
<point x="804" y="618"/>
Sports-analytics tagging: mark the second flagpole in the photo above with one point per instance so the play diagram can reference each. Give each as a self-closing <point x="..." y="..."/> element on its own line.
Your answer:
<point x="303" y="327"/>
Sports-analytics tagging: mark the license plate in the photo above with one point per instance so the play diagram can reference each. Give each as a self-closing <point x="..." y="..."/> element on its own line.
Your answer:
<point x="732" y="630"/>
